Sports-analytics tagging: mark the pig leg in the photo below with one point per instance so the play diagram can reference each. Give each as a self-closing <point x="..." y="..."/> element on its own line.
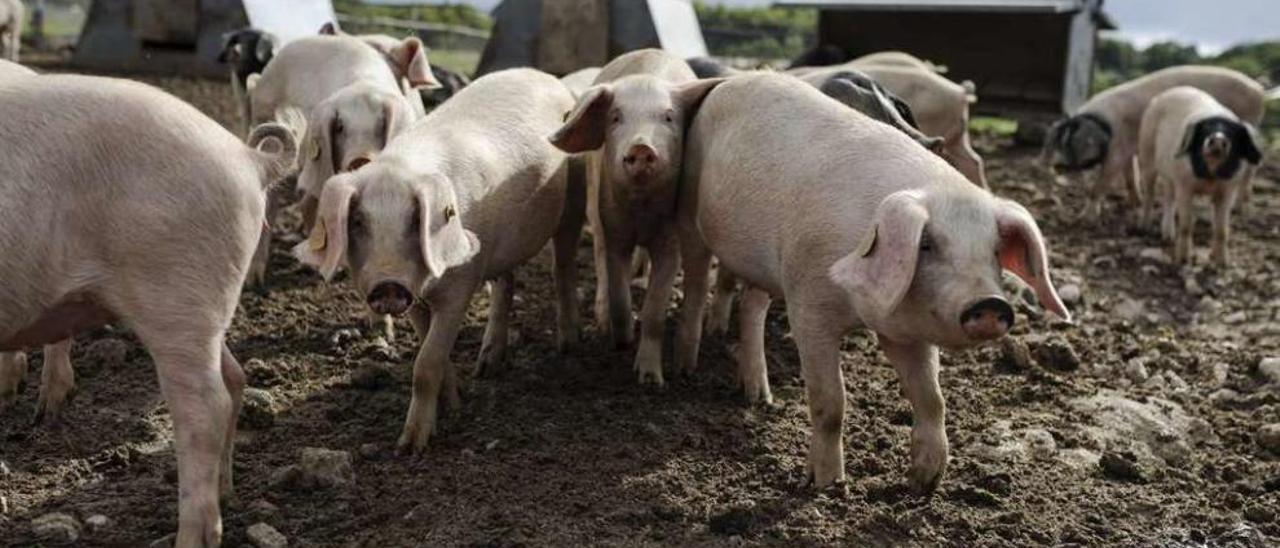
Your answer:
<point x="1167" y="219"/>
<point x="917" y="366"/>
<point x="696" y="259"/>
<point x="1223" y="200"/>
<point x="1131" y="177"/>
<point x="1102" y="184"/>
<point x="233" y="377"/>
<point x="191" y="380"/>
<point x="420" y="317"/>
<point x="262" y="254"/>
<point x="565" y="263"/>
<point x="600" y="252"/>
<point x="753" y="370"/>
<point x="665" y="258"/>
<point x="1246" y="191"/>
<point x="824" y="384"/>
<point x="722" y="301"/>
<point x="431" y="370"/>
<point x="13" y="370"/>
<point x="493" y="348"/>
<point x="382" y="323"/>
<point x="1148" y="183"/>
<point x="1186" y="221"/>
<point x="621" y="322"/>
<point x="57" y="381"/>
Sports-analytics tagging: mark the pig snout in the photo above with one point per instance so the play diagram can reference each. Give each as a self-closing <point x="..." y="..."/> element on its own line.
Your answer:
<point x="640" y="161"/>
<point x="358" y="162"/>
<point x="1217" y="146"/>
<point x="390" y="298"/>
<point x="988" y="318"/>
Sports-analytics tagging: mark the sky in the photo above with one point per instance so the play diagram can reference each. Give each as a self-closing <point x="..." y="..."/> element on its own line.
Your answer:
<point x="1212" y="25"/>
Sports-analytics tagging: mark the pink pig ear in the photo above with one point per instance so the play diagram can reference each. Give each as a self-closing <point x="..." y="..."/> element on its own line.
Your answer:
<point x="327" y="244"/>
<point x="1022" y="252"/>
<point x="411" y="57"/>
<point x="879" y="273"/>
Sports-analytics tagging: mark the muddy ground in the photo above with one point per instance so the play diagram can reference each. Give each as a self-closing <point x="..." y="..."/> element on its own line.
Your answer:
<point x="568" y="450"/>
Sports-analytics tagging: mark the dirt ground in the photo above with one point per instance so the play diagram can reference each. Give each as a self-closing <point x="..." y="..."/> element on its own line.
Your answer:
<point x="569" y="450"/>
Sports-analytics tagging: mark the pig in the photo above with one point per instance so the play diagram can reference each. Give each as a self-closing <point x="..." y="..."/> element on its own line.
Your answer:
<point x="633" y="120"/>
<point x="706" y="67"/>
<point x="11" y="18"/>
<point x="1103" y="132"/>
<point x="393" y="50"/>
<point x="309" y="70"/>
<point x="451" y="83"/>
<point x="468" y="195"/>
<point x="158" y="239"/>
<point x="1195" y="145"/>
<point x="861" y="92"/>
<point x="579" y="80"/>
<point x="940" y="106"/>
<point x="857" y="228"/>
<point x="247" y="52"/>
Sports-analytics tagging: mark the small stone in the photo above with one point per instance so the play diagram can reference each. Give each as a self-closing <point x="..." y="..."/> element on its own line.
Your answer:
<point x="1014" y="355"/>
<point x="1219" y="374"/>
<point x="263" y="509"/>
<point x="1192" y="287"/>
<point x="1269" y="368"/>
<point x="369" y="451"/>
<point x="1130" y="310"/>
<point x="1070" y="294"/>
<point x="1056" y="353"/>
<point x="4" y="505"/>
<point x="1121" y="466"/>
<point x="493" y="444"/>
<point x="96" y="523"/>
<point x="325" y="467"/>
<point x="1175" y="382"/>
<point x="1152" y="254"/>
<point x="342" y="337"/>
<point x="1235" y="318"/>
<point x="383" y="350"/>
<point x="1269" y="437"/>
<point x="373" y="377"/>
<point x="1224" y="397"/>
<point x="1136" y="370"/>
<point x="259" y="409"/>
<point x="109" y="352"/>
<point x="1208" y="305"/>
<point x="286" y="477"/>
<point x="163" y="542"/>
<point x="1041" y="444"/>
<point x="1259" y="513"/>
<point x="4" y="469"/>
<point x="265" y="536"/>
<point x="56" y="528"/>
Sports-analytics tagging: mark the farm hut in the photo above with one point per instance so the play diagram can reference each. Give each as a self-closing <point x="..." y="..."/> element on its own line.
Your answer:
<point x="1030" y="59"/>
<point x="185" y="35"/>
<point x="561" y="36"/>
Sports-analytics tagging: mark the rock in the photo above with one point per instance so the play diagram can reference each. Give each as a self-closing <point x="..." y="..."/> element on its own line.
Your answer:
<point x="263" y="509"/>
<point x="1208" y="305"/>
<point x="1269" y="368"/>
<point x="109" y="352"/>
<point x="1152" y="254"/>
<point x="1235" y="318"/>
<point x="369" y="451"/>
<point x="265" y="536"/>
<point x="343" y="337"/>
<point x="4" y="469"/>
<point x="1122" y="466"/>
<point x="1259" y="513"/>
<point x="1224" y="397"/>
<point x="1070" y="294"/>
<point x="1175" y="382"/>
<point x="259" y="410"/>
<point x="325" y="467"/>
<point x="1269" y="437"/>
<point x="163" y="542"/>
<point x="96" y="523"/>
<point x="381" y="349"/>
<point x="1041" y="443"/>
<point x="1153" y="429"/>
<point x="1130" y="310"/>
<point x="1192" y="287"/>
<point x="1055" y="353"/>
<point x="373" y="377"/>
<point x="1136" y="370"/>
<point x="1219" y="374"/>
<point x="4" y="505"/>
<point x="56" y="528"/>
<point x="1014" y="355"/>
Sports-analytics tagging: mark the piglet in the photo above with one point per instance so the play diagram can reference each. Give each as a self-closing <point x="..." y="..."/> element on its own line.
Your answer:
<point x="856" y="227"/>
<point x="122" y="204"/>
<point x="467" y="195"/>
<point x="1194" y="145"/>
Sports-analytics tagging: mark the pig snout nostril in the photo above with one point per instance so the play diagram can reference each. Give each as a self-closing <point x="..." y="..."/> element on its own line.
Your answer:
<point x="640" y="157"/>
<point x="390" y="298"/>
<point x="988" y="318"/>
<point x="358" y="163"/>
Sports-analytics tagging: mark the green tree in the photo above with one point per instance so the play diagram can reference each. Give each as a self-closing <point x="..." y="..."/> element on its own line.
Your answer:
<point x="1167" y="54"/>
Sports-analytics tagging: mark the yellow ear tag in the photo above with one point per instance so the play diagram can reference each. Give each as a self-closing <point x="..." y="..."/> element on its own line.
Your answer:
<point x="868" y="243"/>
<point x="317" y="240"/>
<point x="449" y="213"/>
<point x="315" y="148"/>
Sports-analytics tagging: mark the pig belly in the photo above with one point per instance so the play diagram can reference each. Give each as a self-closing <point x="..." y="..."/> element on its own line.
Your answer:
<point x="72" y="315"/>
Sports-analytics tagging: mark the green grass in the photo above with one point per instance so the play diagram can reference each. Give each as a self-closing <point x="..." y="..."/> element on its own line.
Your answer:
<point x="463" y="61"/>
<point x="60" y="23"/>
<point x="993" y="126"/>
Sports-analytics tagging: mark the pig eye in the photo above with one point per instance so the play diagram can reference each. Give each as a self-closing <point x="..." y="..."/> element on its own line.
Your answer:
<point x="926" y="243"/>
<point x="617" y="118"/>
<point x="356" y="223"/>
<point x="337" y="126"/>
<point x="669" y="117"/>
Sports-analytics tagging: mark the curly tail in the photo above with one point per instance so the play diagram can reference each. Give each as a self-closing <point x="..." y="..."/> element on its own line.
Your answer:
<point x="277" y="151"/>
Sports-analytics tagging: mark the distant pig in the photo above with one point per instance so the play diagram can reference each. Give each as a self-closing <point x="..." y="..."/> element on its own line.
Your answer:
<point x="123" y="205"/>
<point x="466" y="196"/>
<point x="857" y="228"/>
<point x="634" y="118"/>
<point x="1103" y="132"/>
<point x="11" y="19"/>
<point x="1194" y="145"/>
<point x="861" y="92"/>
<point x="247" y="52"/>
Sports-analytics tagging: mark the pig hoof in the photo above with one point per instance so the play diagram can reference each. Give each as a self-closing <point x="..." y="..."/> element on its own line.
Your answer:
<point x="490" y="361"/>
<point x="757" y="394"/>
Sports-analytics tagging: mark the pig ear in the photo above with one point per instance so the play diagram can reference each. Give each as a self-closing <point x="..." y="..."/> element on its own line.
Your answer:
<point x="1022" y="251"/>
<point x="327" y="244"/>
<point x="1187" y="145"/>
<point x="317" y="151"/>
<point x="1249" y="141"/>
<point x="445" y="243"/>
<point x="584" y="126"/>
<point x="330" y="29"/>
<point x="411" y="57"/>
<point x="880" y="271"/>
<point x="396" y="119"/>
<point x="688" y="97"/>
<point x="860" y="99"/>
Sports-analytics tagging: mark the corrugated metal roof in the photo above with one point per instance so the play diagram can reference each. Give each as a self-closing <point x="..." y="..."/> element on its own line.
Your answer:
<point x="1025" y="6"/>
